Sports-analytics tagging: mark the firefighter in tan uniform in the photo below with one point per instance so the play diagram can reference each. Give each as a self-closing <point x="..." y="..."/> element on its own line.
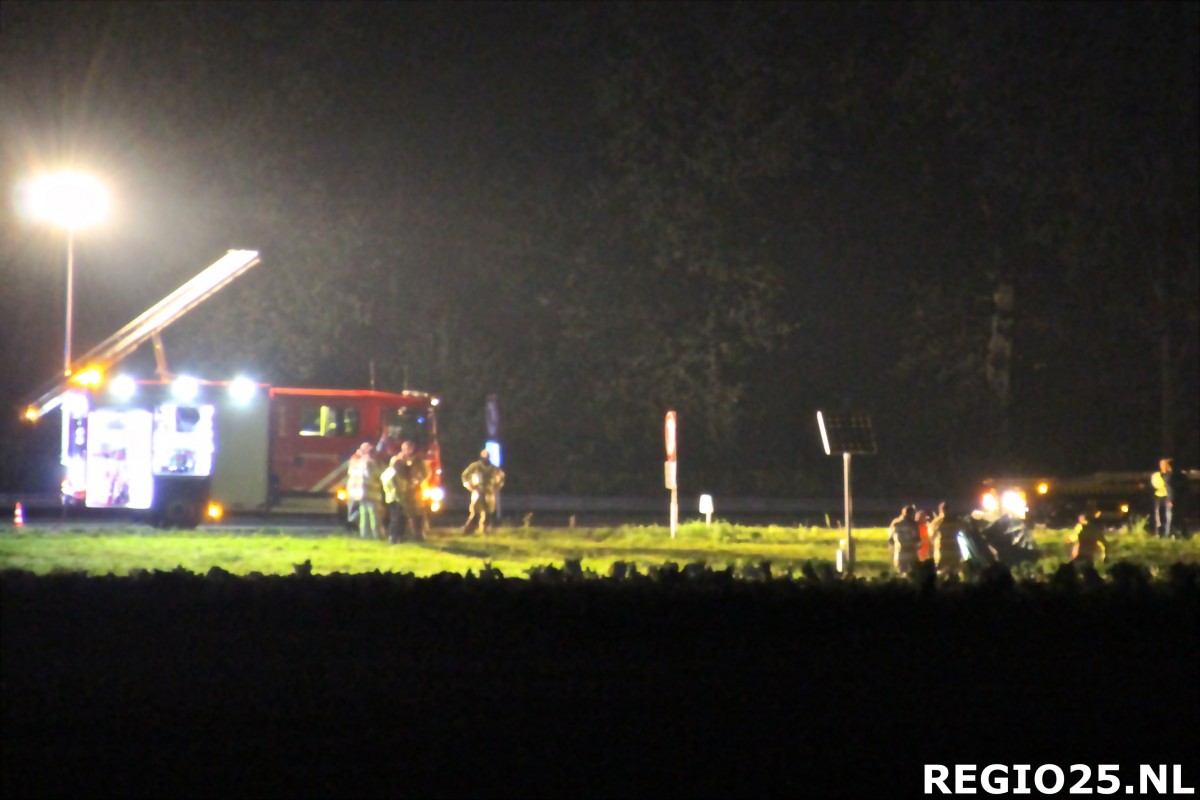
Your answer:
<point x="943" y="531"/>
<point x="482" y="479"/>
<point x="409" y="472"/>
<point x="905" y="538"/>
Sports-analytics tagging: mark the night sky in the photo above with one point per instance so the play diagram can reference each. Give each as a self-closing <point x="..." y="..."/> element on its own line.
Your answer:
<point x="600" y="211"/>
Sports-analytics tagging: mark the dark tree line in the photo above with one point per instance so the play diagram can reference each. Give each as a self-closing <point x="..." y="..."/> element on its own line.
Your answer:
<point x="977" y="222"/>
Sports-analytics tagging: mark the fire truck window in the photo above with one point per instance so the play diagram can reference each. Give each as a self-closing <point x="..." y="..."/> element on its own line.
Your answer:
<point x="329" y="421"/>
<point x="310" y="421"/>
<point x="412" y="424"/>
<point x="186" y="419"/>
<point x="349" y="422"/>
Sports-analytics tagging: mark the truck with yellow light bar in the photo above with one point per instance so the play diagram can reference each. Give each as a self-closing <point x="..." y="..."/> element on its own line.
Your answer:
<point x="1112" y="498"/>
<point x="182" y="450"/>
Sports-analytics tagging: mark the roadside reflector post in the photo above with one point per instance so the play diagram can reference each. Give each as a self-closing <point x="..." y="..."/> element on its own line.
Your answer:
<point x="847" y="434"/>
<point x="706" y="508"/>
<point x="491" y="420"/>
<point x="670" y="473"/>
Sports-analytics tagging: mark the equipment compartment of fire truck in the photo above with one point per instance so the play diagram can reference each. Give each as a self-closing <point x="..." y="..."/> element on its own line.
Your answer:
<point x="180" y="449"/>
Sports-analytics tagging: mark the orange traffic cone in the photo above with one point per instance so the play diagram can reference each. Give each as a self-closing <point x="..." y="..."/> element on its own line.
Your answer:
<point x="18" y="517"/>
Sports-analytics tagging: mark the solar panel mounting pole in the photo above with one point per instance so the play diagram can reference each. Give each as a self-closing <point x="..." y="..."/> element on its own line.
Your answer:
<point x="849" y="512"/>
<point x="846" y="434"/>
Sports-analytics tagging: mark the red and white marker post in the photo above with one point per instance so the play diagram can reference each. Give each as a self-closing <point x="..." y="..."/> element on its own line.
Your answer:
<point x="670" y="471"/>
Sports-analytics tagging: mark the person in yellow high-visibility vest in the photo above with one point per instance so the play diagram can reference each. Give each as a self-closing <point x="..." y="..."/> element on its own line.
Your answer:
<point x="1163" y="483"/>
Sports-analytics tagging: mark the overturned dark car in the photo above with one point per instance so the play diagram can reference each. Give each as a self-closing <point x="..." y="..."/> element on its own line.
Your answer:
<point x="1005" y="540"/>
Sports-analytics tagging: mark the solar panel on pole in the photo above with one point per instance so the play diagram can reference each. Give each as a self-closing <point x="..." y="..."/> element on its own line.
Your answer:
<point x="848" y="434"/>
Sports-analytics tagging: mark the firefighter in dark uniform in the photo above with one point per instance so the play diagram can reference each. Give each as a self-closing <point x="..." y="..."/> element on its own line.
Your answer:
<point x="482" y="479"/>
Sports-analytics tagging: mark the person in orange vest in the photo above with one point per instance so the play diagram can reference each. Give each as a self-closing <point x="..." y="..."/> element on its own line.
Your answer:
<point x="923" y="529"/>
<point x="1087" y="541"/>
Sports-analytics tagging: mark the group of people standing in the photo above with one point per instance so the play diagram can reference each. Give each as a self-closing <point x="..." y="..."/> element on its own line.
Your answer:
<point x="915" y="537"/>
<point x="390" y="499"/>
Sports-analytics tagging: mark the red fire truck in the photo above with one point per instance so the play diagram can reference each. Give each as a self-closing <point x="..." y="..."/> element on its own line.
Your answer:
<point x="182" y="449"/>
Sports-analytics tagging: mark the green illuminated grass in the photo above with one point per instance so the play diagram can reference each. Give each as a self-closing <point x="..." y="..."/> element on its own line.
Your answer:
<point x="513" y="551"/>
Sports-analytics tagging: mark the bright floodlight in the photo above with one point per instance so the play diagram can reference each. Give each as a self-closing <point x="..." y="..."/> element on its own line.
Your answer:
<point x="185" y="388"/>
<point x="242" y="390"/>
<point x="1013" y="502"/>
<point x="69" y="200"/>
<point x="123" y="387"/>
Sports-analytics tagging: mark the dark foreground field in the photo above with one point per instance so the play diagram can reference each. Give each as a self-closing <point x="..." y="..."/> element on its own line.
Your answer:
<point x="171" y="685"/>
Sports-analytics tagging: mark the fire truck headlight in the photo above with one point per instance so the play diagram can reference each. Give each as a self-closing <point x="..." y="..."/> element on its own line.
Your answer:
<point x="990" y="503"/>
<point x="242" y="390"/>
<point x="215" y="512"/>
<point x="1013" y="503"/>
<point x="185" y="388"/>
<point x="434" y="495"/>
<point x="123" y="387"/>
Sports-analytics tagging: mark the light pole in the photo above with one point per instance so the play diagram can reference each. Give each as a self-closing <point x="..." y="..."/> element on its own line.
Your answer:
<point x="72" y="201"/>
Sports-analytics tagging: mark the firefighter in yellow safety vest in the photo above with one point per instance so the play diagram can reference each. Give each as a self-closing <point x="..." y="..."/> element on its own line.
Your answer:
<point x="1163" y="483"/>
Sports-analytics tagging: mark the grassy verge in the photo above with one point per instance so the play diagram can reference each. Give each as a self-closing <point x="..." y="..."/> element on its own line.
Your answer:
<point x="513" y="551"/>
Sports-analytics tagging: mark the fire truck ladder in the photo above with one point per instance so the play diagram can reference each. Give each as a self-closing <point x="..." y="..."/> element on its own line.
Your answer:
<point x="144" y="327"/>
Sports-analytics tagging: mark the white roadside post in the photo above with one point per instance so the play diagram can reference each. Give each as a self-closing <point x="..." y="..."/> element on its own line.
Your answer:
<point x="670" y="471"/>
<point x="491" y="418"/>
<point x="706" y="508"/>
